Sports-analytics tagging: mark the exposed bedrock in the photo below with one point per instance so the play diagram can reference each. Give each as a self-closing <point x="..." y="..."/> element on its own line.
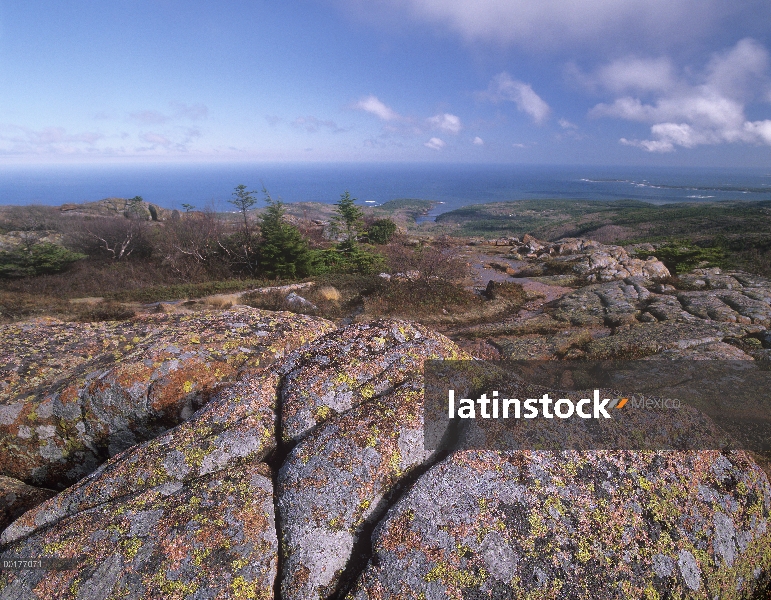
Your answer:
<point x="307" y="478"/>
<point x="76" y="394"/>
<point x="575" y="525"/>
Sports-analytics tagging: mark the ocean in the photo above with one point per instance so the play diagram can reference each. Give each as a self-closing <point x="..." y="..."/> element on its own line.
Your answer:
<point x="451" y="186"/>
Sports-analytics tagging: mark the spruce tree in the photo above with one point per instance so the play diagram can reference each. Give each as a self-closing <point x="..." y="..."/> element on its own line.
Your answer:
<point x="348" y="215"/>
<point x="283" y="251"/>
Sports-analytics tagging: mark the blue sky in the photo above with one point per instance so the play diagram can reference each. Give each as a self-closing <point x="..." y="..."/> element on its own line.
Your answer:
<point x="648" y="82"/>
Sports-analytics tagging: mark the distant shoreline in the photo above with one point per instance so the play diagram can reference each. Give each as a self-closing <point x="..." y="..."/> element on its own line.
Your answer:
<point x="208" y="185"/>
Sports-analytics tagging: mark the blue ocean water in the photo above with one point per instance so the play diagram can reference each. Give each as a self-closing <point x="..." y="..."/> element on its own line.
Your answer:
<point x="452" y="185"/>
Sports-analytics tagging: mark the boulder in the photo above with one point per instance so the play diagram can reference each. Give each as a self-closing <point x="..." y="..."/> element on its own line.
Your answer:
<point x="16" y="498"/>
<point x="75" y="394"/>
<point x="334" y="483"/>
<point x="652" y="338"/>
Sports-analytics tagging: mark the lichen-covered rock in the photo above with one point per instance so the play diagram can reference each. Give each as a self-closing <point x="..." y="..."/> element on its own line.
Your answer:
<point x="612" y="303"/>
<point x="212" y="537"/>
<point x="334" y="481"/>
<point x="592" y="261"/>
<point x="16" y="498"/>
<point x="542" y="347"/>
<point x="711" y="351"/>
<point x="330" y="436"/>
<point x="76" y="394"/>
<point x="610" y="263"/>
<point x="713" y="278"/>
<point x="651" y="338"/>
<point x="237" y="427"/>
<point x="352" y="365"/>
<point x="576" y="525"/>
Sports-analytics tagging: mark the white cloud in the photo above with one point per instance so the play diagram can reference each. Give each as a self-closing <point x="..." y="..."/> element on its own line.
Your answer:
<point x="372" y="105"/>
<point x="629" y="74"/>
<point x="737" y="72"/>
<point x="435" y="144"/>
<point x="478" y="141"/>
<point x="705" y="108"/>
<point x="760" y="129"/>
<point x="565" y="124"/>
<point x="649" y="145"/>
<point x="503" y="87"/>
<point x="446" y="122"/>
<point x="546" y="24"/>
<point x="519" y="145"/>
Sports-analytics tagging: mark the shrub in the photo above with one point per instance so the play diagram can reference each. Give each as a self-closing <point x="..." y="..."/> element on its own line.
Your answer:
<point x="37" y="259"/>
<point x="192" y="245"/>
<point x="682" y="257"/>
<point x="419" y="301"/>
<point x="103" y="311"/>
<point x="440" y="261"/>
<point x="114" y="237"/>
<point x="381" y="231"/>
<point x="347" y="257"/>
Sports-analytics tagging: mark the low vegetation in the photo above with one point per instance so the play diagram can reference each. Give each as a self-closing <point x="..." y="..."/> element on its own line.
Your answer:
<point x="731" y="234"/>
<point x="125" y="253"/>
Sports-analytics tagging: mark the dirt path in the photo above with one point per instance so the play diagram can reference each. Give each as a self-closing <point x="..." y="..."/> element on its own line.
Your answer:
<point x="482" y="273"/>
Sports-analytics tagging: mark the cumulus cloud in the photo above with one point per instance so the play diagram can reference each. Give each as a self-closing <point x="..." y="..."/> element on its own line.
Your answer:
<point x="551" y="24"/>
<point x="478" y="141"/>
<point x="628" y="74"/>
<point x="504" y="88"/>
<point x="435" y="144"/>
<point x="698" y="109"/>
<point x="446" y="122"/>
<point x="565" y="124"/>
<point x="373" y="105"/>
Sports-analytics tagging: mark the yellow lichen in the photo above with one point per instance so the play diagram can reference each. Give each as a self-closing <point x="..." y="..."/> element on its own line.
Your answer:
<point x="322" y="413"/>
<point x="244" y="589"/>
<point x="131" y="546"/>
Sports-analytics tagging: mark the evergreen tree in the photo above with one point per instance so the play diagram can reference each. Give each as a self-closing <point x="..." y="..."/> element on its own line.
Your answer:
<point x="241" y="247"/>
<point x="348" y="215"/>
<point x="283" y="251"/>
<point x="243" y="200"/>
